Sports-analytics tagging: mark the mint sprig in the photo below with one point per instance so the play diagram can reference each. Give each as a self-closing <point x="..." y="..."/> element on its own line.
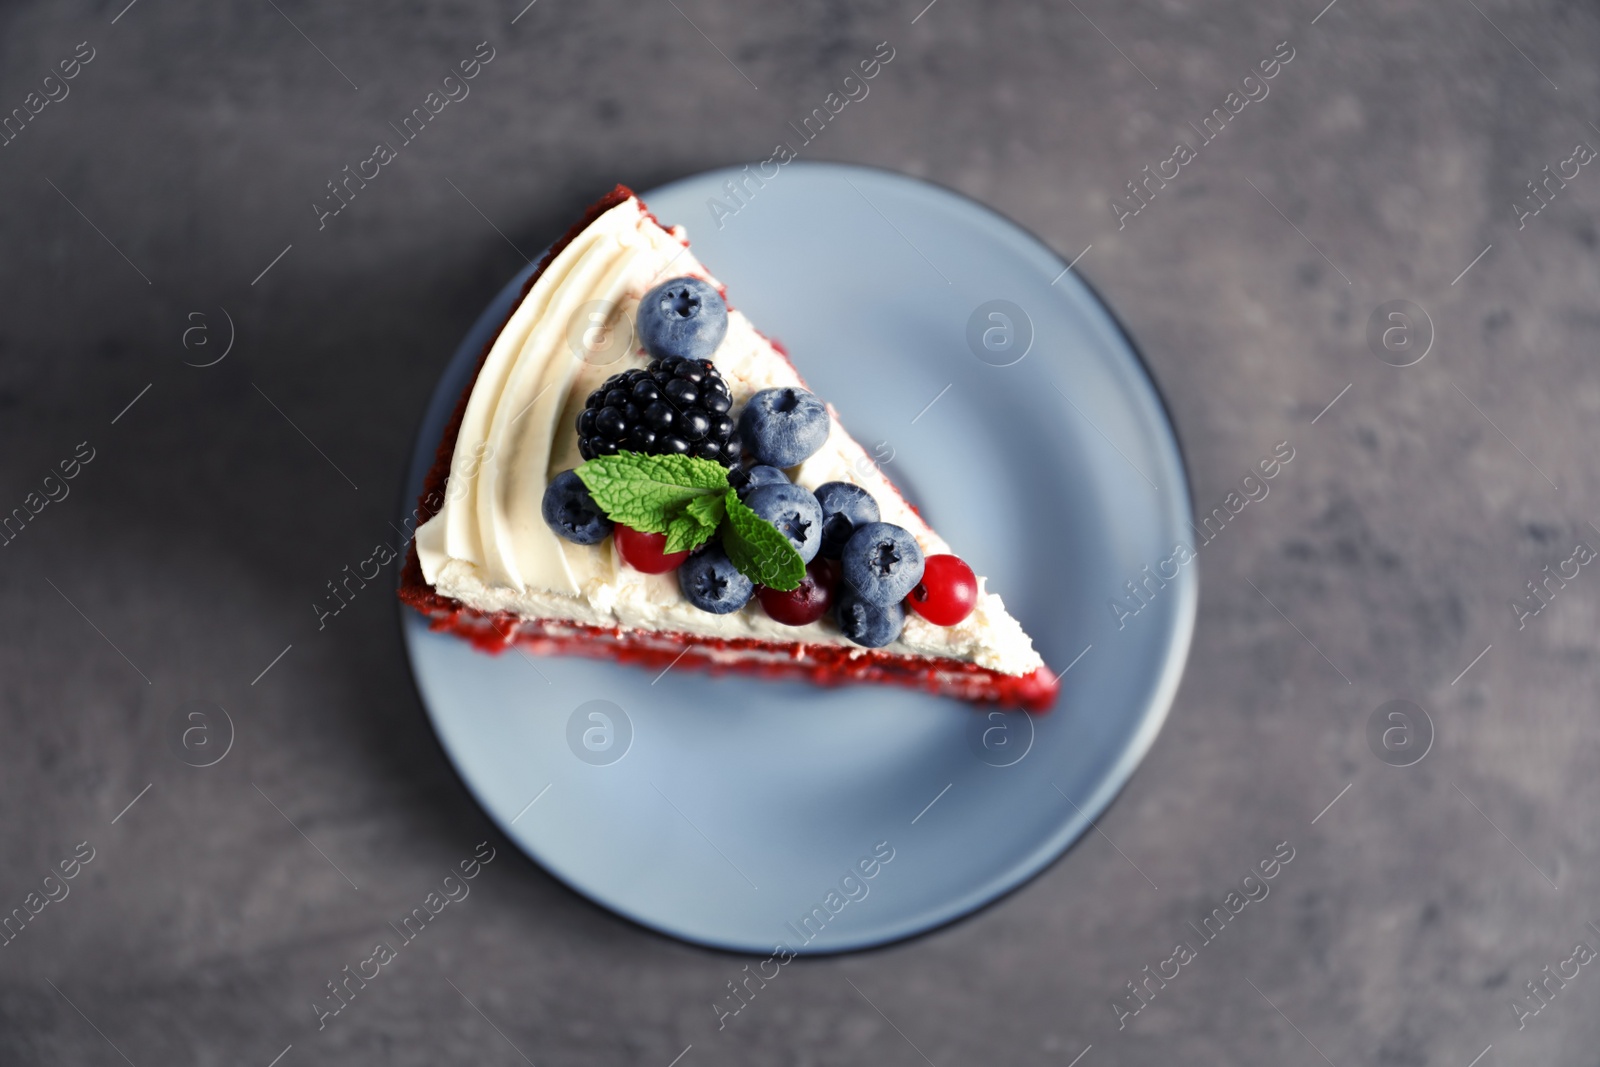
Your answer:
<point x="689" y="500"/>
<point x="648" y="492"/>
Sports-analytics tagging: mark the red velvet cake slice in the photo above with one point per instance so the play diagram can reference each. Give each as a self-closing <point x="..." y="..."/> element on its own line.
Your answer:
<point x="636" y="473"/>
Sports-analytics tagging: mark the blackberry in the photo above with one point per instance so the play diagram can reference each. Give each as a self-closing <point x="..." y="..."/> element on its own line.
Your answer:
<point x="675" y="406"/>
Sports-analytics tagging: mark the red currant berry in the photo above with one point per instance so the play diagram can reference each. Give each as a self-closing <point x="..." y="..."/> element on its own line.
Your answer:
<point x="947" y="593"/>
<point x="807" y="602"/>
<point x="645" y="551"/>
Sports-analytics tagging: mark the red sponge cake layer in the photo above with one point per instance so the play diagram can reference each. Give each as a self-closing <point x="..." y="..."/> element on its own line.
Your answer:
<point x="821" y="664"/>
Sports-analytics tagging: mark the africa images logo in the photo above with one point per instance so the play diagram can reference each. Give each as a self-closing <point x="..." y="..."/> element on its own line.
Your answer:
<point x="1255" y="889"/>
<point x="852" y="887"/>
<point x="1142" y="589"/>
<point x="1254" y="89"/>
<point x="599" y="732"/>
<point x="739" y="190"/>
<point x="341" y="191"/>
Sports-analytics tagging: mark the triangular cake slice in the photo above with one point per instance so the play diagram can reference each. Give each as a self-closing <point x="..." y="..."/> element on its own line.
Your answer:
<point x="486" y="565"/>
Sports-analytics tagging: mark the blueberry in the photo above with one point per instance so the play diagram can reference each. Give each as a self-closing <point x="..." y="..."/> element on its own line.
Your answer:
<point x="748" y="479"/>
<point x="845" y="508"/>
<point x="571" y="512"/>
<point x="868" y="624"/>
<point x="683" y="317"/>
<point x="881" y="563"/>
<point x="712" y="583"/>
<point x="796" y="514"/>
<point x="782" y="427"/>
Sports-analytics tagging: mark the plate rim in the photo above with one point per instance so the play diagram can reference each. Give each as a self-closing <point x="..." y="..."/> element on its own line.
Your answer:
<point x="1071" y="831"/>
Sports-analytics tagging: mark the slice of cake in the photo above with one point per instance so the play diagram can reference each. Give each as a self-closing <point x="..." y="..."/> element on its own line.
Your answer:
<point x="636" y="473"/>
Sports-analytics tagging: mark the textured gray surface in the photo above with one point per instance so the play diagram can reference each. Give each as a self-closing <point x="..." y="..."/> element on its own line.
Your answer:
<point x="1396" y="142"/>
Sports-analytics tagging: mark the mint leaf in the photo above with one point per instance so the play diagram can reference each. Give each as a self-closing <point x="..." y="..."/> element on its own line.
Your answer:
<point x="755" y="546"/>
<point x="684" y="534"/>
<point x="708" y="509"/>
<point x="691" y="524"/>
<point x="648" y="492"/>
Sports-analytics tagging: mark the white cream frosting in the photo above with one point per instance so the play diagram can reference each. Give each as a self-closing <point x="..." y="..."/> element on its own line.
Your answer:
<point x="489" y="546"/>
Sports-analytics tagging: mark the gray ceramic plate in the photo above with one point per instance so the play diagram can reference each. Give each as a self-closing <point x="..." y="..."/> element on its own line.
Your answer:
<point x="737" y="813"/>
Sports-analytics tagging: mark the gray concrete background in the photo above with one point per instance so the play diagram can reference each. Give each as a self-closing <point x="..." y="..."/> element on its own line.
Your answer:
<point x="1387" y="156"/>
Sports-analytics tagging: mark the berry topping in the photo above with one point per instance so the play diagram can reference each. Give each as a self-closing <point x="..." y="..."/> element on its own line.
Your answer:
<point x="947" y="593"/>
<point x="672" y="407"/>
<point x="804" y="604"/>
<point x="682" y="318"/>
<point x="845" y="508"/>
<point x="712" y="583"/>
<point x="881" y="563"/>
<point x="646" y="551"/>
<point x="745" y="479"/>
<point x="571" y="512"/>
<point x="794" y="512"/>
<point x="783" y="427"/>
<point x="868" y="624"/>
